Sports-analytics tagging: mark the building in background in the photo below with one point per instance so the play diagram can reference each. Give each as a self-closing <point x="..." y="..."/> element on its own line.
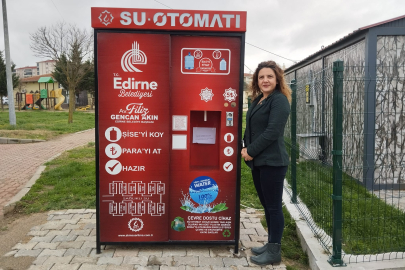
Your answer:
<point x="42" y="68"/>
<point x="46" y="67"/>
<point x="26" y="72"/>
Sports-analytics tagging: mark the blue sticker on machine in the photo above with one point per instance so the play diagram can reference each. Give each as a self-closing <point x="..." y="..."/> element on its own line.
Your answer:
<point x="203" y="190"/>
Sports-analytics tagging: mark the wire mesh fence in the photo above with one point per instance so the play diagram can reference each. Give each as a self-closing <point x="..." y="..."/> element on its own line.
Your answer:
<point x="351" y="197"/>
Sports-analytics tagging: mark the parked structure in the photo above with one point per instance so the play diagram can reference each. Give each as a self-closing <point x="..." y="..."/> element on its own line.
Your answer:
<point x="374" y="107"/>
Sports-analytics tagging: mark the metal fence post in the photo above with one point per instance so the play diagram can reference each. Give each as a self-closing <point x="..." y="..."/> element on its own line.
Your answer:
<point x="337" y="235"/>
<point x="294" y="142"/>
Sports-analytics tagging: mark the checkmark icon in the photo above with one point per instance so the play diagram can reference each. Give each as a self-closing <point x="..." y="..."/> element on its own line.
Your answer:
<point x="112" y="168"/>
<point x="228" y="166"/>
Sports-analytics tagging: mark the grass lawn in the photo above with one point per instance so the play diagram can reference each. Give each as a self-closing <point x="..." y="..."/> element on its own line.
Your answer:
<point x="369" y="224"/>
<point x="44" y="125"/>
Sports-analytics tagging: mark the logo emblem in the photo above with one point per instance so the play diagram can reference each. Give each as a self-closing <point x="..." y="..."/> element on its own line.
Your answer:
<point x="135" y="224"/>
<point x="133" y="57"/>
<point x="106" y="17"/>
<point x="206" y="94"/>
<point x="226" y="233"/>
<point x="230" y="94"/>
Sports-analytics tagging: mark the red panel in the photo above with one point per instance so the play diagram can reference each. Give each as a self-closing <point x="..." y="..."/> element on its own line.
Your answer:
<point x="163" y="19"/>
<point x="134" y="139"/>
<point x="192" y="93"/>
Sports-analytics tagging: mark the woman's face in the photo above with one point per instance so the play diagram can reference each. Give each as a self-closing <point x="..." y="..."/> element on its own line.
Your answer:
<point x="267" y="80"/>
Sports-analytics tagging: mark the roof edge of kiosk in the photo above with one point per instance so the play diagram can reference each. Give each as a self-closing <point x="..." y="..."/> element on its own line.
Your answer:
<point x="168" y="20"/>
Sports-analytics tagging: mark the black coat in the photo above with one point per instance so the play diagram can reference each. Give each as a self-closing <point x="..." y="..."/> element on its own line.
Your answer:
<point x="264" y="134"/>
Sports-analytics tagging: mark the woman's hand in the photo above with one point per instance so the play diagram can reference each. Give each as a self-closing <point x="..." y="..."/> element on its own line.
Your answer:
<point x="245" y="154"/>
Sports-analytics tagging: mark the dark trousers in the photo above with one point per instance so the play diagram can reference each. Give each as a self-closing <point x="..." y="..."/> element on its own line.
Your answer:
<point x="269" y="182"/>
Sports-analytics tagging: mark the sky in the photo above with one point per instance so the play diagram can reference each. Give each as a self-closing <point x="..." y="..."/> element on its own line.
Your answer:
<point x="293" y="29"/>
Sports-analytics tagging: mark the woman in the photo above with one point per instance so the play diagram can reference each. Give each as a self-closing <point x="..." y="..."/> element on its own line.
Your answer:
<point x="264" y="152"/>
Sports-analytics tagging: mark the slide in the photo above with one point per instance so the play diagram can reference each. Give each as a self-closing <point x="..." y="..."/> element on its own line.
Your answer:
<point x="39" y="104"/>
<point x="60" y="97"/>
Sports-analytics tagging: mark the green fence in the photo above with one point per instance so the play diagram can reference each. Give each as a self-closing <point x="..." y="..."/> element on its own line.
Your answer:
<point x="346" y="139"/>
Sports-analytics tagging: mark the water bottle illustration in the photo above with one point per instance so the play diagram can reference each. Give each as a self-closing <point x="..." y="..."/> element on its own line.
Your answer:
<point x="189" y="61"/>
<point x="113" y="135"/>
<point x="222" y="64"/>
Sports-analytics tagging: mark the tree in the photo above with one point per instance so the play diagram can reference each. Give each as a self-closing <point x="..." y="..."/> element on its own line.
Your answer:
<point x="69" y="46"/>
<point x="3" y="79"/>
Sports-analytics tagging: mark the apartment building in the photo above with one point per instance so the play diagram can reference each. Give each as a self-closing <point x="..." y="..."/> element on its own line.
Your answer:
<point x="46" y="67"/>
<point x="42" y="67"/>
<point x="25" y="72"/>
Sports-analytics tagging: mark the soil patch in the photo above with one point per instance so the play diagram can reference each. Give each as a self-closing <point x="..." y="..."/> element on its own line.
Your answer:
<point x="13" y="230"/>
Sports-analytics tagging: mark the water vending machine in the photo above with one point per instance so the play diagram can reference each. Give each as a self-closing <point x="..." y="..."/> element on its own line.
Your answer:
<point x="169" y="103"/>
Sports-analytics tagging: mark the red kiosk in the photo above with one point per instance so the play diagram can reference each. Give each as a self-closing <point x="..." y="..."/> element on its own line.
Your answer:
<point x="169" y="91"/>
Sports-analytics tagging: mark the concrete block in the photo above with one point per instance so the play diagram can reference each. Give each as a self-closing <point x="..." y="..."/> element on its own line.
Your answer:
<point x="250" y="244"/>
<point x="78" y="252"/>
<point x="75" y="244"/>
<point x="40" y="267"/>
<point x="64" y="238"/>
<point x="42" y="245"/>
<point x="126" y="251"/>
<point x="188" y="267"/>
<point x="120" y="267"/>
<point x="40" y="260"/>
<point x="58" y="266"/>
<point x="221" y="251"/>
<point x="38" y="233"/>
<point x="45" y="239"/>
<point x="249" y="225"/>
<point x="151" y="252"/>
<point x="86" y="266"/>
<point x="198" y="251"/>
<point x="86" y="238"/>
<point x="28" y="253"/>
<point x="164" y="267"/>
<point x="140" y="261"/>
<point x="261" y="231"/>
<point x="168" y="252"/>
<point x="104" y="253"/>
<point x="27" y="246"/>
<point x="153" y="267"/>
<point x="51" y="252"/>
<point x="256" y="238"/>
<point x="83" y="260"/>
<point x="75" y="211"/>
<point x="204" y="261"/>
<point x="80" y="232"/>
<point x="235" y="262"/>
<point x="248" y="231"/>
<point x="90" y="244"/>
<point x="53" y="225"/>
<point x="154" y="260"/>
<point x="255" y="220"/>
<point x="58" y="232"/>
<point x="191" y="261"/>
<point x="110" y="260"/>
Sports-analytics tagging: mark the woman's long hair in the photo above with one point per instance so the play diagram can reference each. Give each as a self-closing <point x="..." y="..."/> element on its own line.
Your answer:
<point x="281" y="83"/>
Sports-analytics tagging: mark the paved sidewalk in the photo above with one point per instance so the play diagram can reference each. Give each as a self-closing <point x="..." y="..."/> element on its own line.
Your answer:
<point x="19" y="162"/>
<point x="67" y="241"/>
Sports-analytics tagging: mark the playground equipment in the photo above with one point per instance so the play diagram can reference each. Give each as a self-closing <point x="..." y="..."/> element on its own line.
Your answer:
<point x="61" y="98"/>
<point x="34" y="100"/>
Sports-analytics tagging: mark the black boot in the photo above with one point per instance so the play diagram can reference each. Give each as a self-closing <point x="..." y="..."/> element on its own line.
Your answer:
<point x="271" y="255"/>
<point x="259" y="250"/>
